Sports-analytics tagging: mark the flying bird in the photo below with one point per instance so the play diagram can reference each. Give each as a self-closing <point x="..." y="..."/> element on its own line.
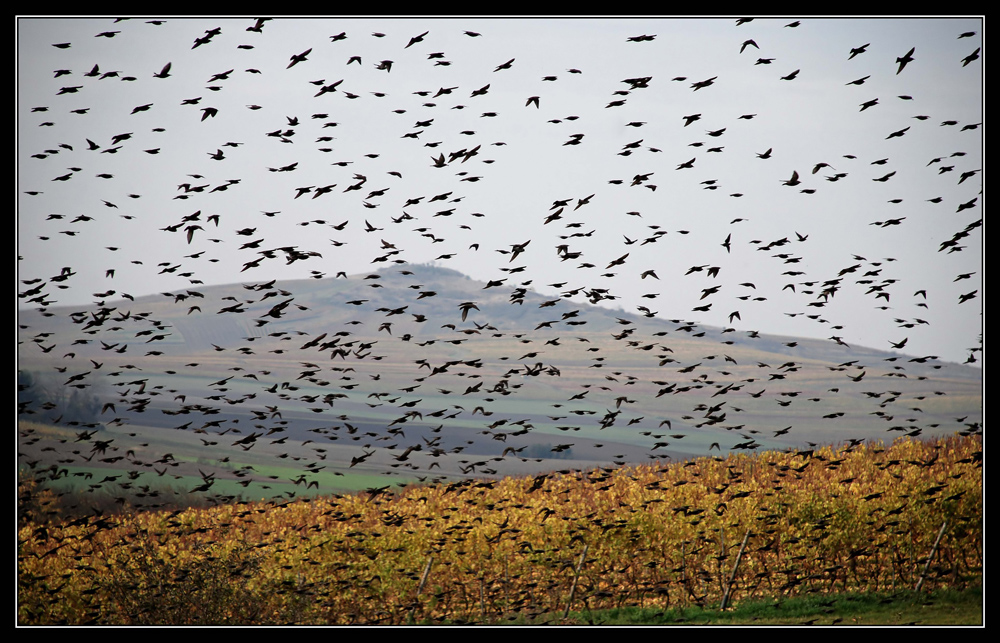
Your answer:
<point x="704" y="83"/>
<point x="905" y="60"/>
<point x="414" y="40"/>
<point x="163" y="73"/>
<point x="298" y="58"/>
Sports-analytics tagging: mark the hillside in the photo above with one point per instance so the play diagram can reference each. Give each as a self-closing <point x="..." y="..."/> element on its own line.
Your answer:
<point x="377" y="373"/>
<point x="711" y="533"/>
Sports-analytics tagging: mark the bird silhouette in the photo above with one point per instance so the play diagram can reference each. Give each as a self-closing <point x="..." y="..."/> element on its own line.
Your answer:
<point x="971" y="57"/>
<point x="905" y="60"/>
<point x="414" y="40"/>
<point x="298" y="58"/>
<point x="163" y="73"/>
<point x="704" y="83"/>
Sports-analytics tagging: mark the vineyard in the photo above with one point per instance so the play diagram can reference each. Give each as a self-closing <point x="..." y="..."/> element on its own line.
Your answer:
<point x="705" y="532"/>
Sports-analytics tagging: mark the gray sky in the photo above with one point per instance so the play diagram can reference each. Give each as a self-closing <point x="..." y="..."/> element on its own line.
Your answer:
<point x="813" y="118"/>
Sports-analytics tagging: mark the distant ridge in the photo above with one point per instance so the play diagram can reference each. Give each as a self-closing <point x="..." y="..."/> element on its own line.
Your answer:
<point x="325" y="302"/>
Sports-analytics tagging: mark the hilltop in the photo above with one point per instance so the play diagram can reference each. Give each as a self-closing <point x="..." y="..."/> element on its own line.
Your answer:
<point x="324" y="303"/>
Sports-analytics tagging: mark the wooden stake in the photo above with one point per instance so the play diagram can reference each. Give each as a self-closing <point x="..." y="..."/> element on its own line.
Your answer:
<point x="732" y="575"/>
<point x="927" y="566"/>
<point x="576" y="576"/>
<point x="423" y="579"/>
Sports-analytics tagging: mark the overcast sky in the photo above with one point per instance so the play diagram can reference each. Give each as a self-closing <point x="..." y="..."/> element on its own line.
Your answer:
<point x="805" y="112"/>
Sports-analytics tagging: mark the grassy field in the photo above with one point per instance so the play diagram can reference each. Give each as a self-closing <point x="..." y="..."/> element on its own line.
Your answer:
<point x="905" y="607"/>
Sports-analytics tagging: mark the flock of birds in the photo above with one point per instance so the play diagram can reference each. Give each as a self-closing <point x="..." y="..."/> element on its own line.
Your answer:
<point x="352" y="212"/>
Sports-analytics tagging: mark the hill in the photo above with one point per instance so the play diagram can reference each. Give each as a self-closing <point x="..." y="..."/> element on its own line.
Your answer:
<point x="358" y="375"/>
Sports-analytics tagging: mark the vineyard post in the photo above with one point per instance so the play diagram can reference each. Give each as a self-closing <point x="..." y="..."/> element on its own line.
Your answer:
<point x="420" y="587"/>
<point x="909" y="563"/>
<point x="506" y="584"/>
<point x="576" y="577"/>
<point x="683" y="568"/>
<point x="722" y="557"/>
<point x="423" y="577"/>
<point x="927" y="565"/>
<point x="732" y="575"/>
